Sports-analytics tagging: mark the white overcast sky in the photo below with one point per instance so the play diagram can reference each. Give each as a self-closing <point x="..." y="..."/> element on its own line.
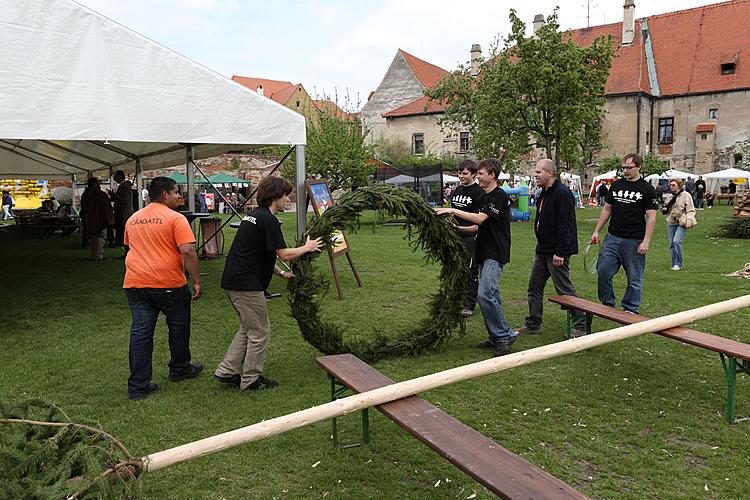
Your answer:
<point x="337" y="45"/>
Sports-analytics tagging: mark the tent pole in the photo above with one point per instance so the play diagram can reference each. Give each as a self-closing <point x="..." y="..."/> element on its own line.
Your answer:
<point x="301" y="193"/>
<point x="73" y="191"/>
<point x="189" y="172"/>
<point x="139" y="182"/>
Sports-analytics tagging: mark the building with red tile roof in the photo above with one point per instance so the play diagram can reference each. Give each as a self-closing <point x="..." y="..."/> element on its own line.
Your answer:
<point x="671" y="75"/>
<point x="292" y="95"/>
<point x="398" y="107"/>
<point x="681" y="72"/>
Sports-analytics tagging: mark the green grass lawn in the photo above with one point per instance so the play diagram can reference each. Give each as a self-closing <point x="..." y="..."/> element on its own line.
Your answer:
<point x="643" y="418"/>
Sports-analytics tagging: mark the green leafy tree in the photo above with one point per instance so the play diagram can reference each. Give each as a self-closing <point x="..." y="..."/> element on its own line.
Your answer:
<point x="652" y="164"/>
<point x="544" y="91"/>
<point x="336" y="150"/>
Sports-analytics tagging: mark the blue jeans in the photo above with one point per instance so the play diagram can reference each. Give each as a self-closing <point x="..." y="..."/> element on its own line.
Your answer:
<point x="499" y="331"/>
<point x="676" y="234"/>
<point x="616" y="252"/>
<point x="145" y="305"/>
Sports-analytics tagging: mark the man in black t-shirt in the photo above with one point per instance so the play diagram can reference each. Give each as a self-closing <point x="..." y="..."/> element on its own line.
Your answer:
<point x="250" y="265"/>
<point x="631" y="204"/>
<point x="468" y="197"/>
<point x="492" y="227"/>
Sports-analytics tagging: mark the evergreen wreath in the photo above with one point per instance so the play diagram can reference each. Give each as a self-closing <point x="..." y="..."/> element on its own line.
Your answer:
<point x="435" y="235"/>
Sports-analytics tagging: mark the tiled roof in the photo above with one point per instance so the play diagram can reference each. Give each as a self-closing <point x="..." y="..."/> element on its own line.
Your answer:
<point x="269" y="86"/>
<point x="705" y="127"/>
<point x="283" y="95"/>
<point x="428" y="74"/>
<point x="689" y="48"/>
<point x="328" y="106"/>
<point x="421" y="106"/>
<point x="628" y="72"/>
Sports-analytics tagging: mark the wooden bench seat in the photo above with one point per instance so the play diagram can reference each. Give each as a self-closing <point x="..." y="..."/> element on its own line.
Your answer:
<point x="499" y="470"/>
<point x="735" y="356"/>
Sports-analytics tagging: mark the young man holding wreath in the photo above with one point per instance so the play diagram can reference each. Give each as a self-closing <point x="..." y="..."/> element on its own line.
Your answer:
<point x="492" y="227"/>
<point x="250" y="265"/>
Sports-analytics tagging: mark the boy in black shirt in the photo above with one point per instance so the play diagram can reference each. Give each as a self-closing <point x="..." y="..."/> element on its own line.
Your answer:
<point x="468" y="196"/>
<point x="631" y="202"/>
<point x="492" y="226"/>
<point x="250" y="265"/>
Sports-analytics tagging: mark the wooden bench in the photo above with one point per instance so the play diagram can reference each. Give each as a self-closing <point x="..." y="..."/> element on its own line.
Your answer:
<point x="499" y="470"/>
<point x="735" y="356"/>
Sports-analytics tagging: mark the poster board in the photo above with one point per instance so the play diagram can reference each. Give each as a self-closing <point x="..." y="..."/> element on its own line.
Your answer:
<point x="319" y="195"/>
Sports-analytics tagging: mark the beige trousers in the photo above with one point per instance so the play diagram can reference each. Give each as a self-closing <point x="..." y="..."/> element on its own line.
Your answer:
<point x="247" y="351"/>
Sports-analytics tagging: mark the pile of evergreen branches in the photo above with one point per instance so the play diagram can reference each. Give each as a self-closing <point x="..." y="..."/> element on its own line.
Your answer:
<point x="736" y="227"/>
<point x="43" y="454"/>
<point x="435" y="235"/>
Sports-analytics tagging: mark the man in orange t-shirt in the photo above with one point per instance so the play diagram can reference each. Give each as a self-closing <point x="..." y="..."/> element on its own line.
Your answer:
<point x="161" y="249"/>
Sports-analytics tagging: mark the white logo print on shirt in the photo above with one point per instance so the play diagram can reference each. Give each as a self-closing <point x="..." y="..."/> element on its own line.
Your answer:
<point x="627" y="196"/>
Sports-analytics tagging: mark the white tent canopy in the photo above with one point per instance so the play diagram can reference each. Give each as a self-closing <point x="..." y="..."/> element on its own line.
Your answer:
<point x="729" y="173"/>
<point x="612" y="174"/>
<point x="81" y="94"/>
<point x="676" y="174"/>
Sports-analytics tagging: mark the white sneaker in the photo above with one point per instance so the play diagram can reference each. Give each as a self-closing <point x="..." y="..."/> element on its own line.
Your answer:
<point x="676" y="268"/>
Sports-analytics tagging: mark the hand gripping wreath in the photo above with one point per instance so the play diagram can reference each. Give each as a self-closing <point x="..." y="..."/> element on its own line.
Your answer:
<point x="426" y="231"/>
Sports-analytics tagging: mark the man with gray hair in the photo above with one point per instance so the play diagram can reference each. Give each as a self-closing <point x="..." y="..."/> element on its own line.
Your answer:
<point x="557" y="239"/>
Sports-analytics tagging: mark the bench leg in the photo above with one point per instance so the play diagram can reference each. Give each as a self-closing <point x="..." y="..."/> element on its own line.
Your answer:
<point x="730" y="374"/>
<point x="570" y="324"/>
<point x="337" y="390"/>
<point x="733" y="366"/>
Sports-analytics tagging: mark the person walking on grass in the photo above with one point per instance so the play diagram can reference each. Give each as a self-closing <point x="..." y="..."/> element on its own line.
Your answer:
<point x="250" y="265"/>
<point x="631" y="204"/>
<point x="557" y="239"/>
<point x="122" y="199"/>
<point x="7" y="204"/>
<point x="97" y="212"/>
<point x="680" y="214"/>
<point x="468" y="196"/>
<point x="162" y="248"/>
<point x="492" y="227"/>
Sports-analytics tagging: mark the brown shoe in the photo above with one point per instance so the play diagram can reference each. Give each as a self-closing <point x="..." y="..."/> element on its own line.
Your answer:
<point x="524" y="330"/>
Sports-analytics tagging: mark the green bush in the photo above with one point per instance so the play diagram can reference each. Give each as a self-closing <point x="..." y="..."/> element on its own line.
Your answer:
<point x="736" y="227"/>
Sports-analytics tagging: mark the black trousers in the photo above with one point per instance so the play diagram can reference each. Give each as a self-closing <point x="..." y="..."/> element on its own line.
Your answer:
<point x="542" y="270"/>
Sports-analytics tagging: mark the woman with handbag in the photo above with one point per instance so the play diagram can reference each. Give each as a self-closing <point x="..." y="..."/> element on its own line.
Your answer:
<point x="680" y="213"/>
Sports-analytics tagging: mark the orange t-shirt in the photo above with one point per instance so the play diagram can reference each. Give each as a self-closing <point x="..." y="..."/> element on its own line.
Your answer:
<point x="154" y="235"/>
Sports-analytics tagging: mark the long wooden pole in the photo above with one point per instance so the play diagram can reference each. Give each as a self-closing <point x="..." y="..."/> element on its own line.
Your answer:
<point x="277" y="425"/>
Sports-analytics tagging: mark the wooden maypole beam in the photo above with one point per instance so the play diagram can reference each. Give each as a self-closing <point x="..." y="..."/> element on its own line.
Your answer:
<point x="278" y="425"/>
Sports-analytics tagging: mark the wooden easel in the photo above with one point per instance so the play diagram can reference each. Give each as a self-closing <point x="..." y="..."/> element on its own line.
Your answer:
<point x="319" y="194"/>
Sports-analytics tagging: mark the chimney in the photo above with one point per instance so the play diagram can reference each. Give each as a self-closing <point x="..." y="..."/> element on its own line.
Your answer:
<point x="538" y="23"/>
<point x="628" y="22"/>
<point x="476" y="59"/>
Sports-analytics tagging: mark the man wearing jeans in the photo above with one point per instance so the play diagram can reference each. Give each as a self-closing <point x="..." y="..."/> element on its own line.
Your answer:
<point x="161" y="249"/>
<point x="248" y="271"/>
<point x="631" y="203"/>
<point x="468" y="197"/>
<point x="492" y="225"/>
<point x="557" y="239"/>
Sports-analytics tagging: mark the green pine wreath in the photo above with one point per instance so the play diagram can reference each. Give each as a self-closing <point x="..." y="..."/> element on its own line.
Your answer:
<point x="425" y="231"/>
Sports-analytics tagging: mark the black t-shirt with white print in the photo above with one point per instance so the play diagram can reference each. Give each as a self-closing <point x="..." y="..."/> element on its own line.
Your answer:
<point x="250" y="263"/>
<point x="630" y="200"/>
<point x="467" y="199"/>
<point x="493" y="239"/>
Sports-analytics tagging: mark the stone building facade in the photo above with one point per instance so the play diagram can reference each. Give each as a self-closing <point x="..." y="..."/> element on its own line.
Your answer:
<point x="679" y="87"/>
